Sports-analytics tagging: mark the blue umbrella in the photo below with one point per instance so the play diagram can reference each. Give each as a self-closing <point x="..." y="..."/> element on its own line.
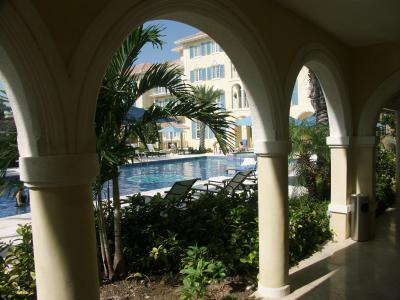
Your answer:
<point x="172" y="129"/>
<point x="135" y="114"/>
<point x="311" y="120"/>
<point x="244" y="122"/>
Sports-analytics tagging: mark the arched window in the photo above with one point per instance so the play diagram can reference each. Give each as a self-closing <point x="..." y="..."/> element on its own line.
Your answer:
<point x="236" y="96"/>
<point x="239" y="97"/>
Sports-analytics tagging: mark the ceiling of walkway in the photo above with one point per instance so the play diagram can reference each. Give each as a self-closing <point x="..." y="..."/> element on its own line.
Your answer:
<point x="355" y="22"/>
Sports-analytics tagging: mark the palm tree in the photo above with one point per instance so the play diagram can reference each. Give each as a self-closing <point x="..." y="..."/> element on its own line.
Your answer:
<point x="317" y="99"/>
<point x="119" y="90"/>
<point x="206" y="95"/>
<point x="311" y="153"/>
<point x="3" y="106"/>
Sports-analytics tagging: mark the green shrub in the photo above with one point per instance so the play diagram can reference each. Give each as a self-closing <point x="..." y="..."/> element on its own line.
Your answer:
<point x="199" y="271"/>
<point x="385" y="178"/>
<point x="155" y="234"/>
<point x="308" y="227"/>
<point x="17" y="270"/>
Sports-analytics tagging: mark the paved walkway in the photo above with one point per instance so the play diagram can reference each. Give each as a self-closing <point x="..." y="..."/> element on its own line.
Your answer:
<point x="350" y="270"/>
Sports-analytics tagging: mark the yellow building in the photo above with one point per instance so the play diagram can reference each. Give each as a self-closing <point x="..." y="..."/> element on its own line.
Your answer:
<point x="204" y="62"/>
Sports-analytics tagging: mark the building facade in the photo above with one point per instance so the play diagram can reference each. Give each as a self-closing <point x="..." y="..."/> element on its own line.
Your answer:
<point x="204" y="62"/>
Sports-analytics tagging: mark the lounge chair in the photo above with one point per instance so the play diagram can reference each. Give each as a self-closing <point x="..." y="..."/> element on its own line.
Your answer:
<point x="248" y="164"/>
<point x="152" y="152"/>
<point x="179" y="191"/>
<point x="229" y="185"/>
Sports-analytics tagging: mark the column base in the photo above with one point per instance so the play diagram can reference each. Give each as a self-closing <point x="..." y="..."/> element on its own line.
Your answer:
<point x="339" y="221"/>
<point x="264" y="292"/>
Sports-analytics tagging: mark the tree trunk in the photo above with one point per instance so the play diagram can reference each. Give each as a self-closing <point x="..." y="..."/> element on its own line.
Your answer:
<point x="202" y="146"/>
<point x="104" y="245"/>
<point x="118" y="258"/>
<point x="317" y="99"/>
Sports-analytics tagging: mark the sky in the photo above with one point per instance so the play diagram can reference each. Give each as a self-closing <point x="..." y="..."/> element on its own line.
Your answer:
<point x="173" y="31"/>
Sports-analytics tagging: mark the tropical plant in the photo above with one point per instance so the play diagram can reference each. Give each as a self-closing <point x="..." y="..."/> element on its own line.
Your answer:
<point x="8" y="150"/>
<point x="385" y="162"/>
<point x="198" y="271"/>
<point x="17" y="270"/>
<point x="317" y="97"/>
<point x="3" y="104"/>
<point x="311" y="157"/>
<point x="120" y="88"/>
<point x="207" y="95"/>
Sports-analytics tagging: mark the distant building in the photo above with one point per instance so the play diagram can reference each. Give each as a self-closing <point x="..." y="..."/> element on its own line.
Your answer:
<point x="204" y="62"/>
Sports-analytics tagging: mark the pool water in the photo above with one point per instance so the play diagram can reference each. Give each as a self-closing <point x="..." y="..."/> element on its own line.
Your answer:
<point x="153" y="175"/>
<point x="8" y="205"/>
<point x="144" y="177"/>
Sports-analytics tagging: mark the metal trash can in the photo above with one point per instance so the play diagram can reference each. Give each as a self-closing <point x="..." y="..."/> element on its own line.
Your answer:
<point x="360" y="211"/>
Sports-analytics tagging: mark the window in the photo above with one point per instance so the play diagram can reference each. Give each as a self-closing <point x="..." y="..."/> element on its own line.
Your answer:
<point x="217" y="71"/>
<point x="170" y="136"/>
<point x="295" y="95"/>
<point x="198" y="75"/>
<point x="195" y="51"/>
<point x="220" y="101"/>
<point x="205" y="48"/>
<point x="162" y="102"/>
<point x="160" y="90"/>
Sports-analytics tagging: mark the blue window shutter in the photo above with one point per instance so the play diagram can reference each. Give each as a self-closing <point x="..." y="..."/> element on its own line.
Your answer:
<point x="204" y="74"/>
<point x="194" y="127"/>
<point x="209" y="133"/>
<point x="212" y="134"/>
<point x="191" y="76"/>
<point x="191" y="51"/>
<point x="209" y="48"/>
<point x="222" y="99"/>
<point x="203" y="49"/>
<point x="295" y="95"/>
<point x="209" y="73"/>
<point x="222" y="71"/>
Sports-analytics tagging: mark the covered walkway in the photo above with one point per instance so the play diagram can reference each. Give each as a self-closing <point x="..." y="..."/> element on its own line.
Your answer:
<point x="365" y="270"/>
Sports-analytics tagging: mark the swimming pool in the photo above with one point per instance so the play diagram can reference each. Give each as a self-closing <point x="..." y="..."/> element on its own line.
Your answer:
<point x="152" y="175"/>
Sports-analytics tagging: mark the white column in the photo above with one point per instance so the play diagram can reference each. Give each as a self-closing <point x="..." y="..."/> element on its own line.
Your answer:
<point x="272" y="166"/>
<point x="363" y="152"/>
<point x="63" y="225"/>
<point x="339" y="207"/>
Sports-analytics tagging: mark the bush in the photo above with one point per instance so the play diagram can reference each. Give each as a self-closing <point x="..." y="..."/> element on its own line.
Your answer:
<point x="199" y="271"/>
<point x="385" y="178"/>
<point x="156" y="234"/>
<point x="308" y="227"/>
<point x="17" y="270"/>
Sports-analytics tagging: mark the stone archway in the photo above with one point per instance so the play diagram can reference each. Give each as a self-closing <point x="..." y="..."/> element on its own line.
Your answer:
<point x="331" y="78"/>
<point x="251" y="59"/>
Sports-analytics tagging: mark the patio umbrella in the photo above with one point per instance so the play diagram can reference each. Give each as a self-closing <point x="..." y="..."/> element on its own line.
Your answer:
<point x="244" y="122"/>
<point x="311" y="120"/>
<point x="135" y="115"/>
<point x="172" y="129"/>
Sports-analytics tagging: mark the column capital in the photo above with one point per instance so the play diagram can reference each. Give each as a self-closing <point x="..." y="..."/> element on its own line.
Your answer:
<point x="59" y="170"/>
<point x="272" y="148"/>
<point x="338" y="141"/>
<point x="364" y="141"/>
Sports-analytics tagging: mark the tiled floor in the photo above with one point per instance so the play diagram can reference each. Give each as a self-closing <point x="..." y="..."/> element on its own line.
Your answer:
<point x="364" y="270"/>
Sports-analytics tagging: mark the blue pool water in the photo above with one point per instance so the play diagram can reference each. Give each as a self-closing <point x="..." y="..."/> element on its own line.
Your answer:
<point x="147" y="176"/>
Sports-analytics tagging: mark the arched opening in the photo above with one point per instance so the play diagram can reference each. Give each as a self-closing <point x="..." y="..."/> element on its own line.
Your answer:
<point x="268" y="134"/>
<point x="335" y="110"/>
<point x="378" y="141"/>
